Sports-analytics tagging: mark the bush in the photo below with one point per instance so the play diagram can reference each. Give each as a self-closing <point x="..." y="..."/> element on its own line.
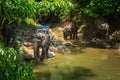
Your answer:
<point x="12" y="67"/>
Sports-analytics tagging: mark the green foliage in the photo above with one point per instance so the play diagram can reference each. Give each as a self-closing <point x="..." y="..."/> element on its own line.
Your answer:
<point x="17" y="10"/>
<point x="57" y="7"/>
<point x="96" y="8"/>
<point x="12" y="10"/>
<point x="31" y="21"/>
<point x="12" y="67"/>
<point x="1" y="42"/>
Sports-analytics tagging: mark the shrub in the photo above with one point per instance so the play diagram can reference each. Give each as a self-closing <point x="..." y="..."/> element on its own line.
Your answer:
<point x="12" y="67"/>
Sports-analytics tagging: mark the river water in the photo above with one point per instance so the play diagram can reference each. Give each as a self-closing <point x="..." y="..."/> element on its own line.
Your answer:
<point x="83" y="63"/>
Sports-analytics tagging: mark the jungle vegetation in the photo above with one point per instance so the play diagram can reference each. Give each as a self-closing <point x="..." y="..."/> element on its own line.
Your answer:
<point x="80" y="11"/>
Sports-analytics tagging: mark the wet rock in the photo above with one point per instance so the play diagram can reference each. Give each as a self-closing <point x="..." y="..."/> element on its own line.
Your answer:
<point x="107" y="46"/>
<point x="59" y="28"/>
<point x="26" y="57"/>
<point x="25" y="53"/>
<point x="117" y="45"/>
<point x="53" y="49"/>
<point x="56" y="42"/>
<point x="61" y="47"/>
<point x="67" y="50"/>
<point x="51" y="54"/>
<point x="68" y="44"/>
<point x="27" y="44"/>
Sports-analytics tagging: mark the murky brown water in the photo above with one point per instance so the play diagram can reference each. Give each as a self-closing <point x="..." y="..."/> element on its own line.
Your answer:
<point x="83" y="63"/>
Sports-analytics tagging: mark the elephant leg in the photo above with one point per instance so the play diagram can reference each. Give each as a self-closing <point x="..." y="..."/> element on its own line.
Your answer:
<point x="71" y="35"/>
<point x="44" y="56"/>
<point x="76" y="35"/>
<point x="64" y="35"/>
<point x="38" y="56"/>
<point x="36" y="51"/>
<point x="47" y="51"/>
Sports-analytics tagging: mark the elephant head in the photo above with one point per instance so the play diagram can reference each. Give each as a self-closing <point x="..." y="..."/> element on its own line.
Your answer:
<point x="39" y="37"/>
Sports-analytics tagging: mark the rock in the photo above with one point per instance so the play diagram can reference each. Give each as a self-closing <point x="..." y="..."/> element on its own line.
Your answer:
<point x="119" y="50"/>
<point x="68" y="44"/>
<point x="67" y="50"/>
<point x="107" y="46"/>
<point x="51" y="54"/>
<point x="53" y="49"/>
<point x="61" y="29"/>
<point x="28" y="44"/>
<point x="26" y="56"/>
<point x="56" y="42"/>
<point x="61" y="47"/>
<point x="117" y="45"/>
<point x="26" y="53"/>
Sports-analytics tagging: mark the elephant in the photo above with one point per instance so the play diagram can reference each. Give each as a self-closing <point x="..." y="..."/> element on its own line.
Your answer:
<point x="103" y="27"/>
<point x="41" y="40"/>
<point x="70" y="29"/>
<point x="9" y="34"/>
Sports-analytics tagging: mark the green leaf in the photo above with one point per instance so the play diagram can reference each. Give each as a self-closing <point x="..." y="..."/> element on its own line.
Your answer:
<point x="1" y="52"/>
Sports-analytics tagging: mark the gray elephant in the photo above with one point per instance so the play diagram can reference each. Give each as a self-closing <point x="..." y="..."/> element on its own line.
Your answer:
<point x="102" y="27"/>
<point x="42" y="40"/>
<point x="70" y="29"/>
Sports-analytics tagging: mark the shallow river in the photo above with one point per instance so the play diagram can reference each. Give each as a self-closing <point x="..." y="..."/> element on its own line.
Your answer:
<point x="83" y="63"/>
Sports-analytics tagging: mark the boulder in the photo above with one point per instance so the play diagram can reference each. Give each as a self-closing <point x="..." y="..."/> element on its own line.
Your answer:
<point x="27" y="44"/>
<point x="53" y="49"/>
<point x="68" y="44"/>
<point x="51" y="54"/>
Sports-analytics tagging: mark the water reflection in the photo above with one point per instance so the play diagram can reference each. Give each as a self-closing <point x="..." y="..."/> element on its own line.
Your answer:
<point x="66" y="73"/>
